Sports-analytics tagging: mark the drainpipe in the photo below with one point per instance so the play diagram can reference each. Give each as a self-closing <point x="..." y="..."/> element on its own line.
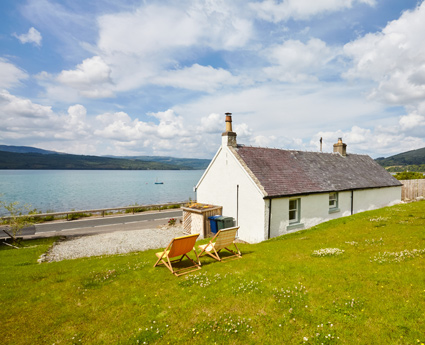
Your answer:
<point x="352" y="202"/>
<point x="270" y="216"/>
<point x="237" y="205"/>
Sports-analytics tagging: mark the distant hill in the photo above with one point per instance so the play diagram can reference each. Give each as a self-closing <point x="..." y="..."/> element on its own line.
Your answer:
<point x="25" y="149"/>
<point x="411" y="160"/>
<point x="196" y="164"/>
<point x="25" y="157"/>
<point x="13" y="160"/>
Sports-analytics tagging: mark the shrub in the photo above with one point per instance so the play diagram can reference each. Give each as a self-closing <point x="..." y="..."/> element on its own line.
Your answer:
<point x="409" y="175"/>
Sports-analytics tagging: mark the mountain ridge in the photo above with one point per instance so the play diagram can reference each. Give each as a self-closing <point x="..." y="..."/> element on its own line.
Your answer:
<point x="413" y="160"/>
<point x="27" y="157"/>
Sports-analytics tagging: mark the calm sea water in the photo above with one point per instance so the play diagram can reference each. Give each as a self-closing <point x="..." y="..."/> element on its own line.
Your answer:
<point x="65" y="190"/>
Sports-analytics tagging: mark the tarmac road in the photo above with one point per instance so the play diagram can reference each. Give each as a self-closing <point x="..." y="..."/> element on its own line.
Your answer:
<point x="92" y="225"/>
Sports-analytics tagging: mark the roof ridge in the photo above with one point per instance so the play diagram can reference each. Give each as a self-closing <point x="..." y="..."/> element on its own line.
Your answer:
<point x="239" y="146"/>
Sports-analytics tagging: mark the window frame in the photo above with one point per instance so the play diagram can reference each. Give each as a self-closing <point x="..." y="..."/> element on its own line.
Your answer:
<point x="335" y="202"/>
<point x="297" y="210"/>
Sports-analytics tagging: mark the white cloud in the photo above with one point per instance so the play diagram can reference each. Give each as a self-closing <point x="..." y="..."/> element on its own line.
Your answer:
<point x="121" y="128"/>
<point x="274" y="11"/>
<point x="24" y="120"/>
<point x="155" y="28"/>
<point x="74" y="123"/>
<point x="394" y="58"/>
<point x="412" y="121"/>
<point x="33" y="36"/>
<point x="170" y="125"/>
<point x="10" y="75"/>
<point x="294" y="61"/>
<point x="197" y="77"/>
<point x="91" y="78"/>
<point x="141" y="44"/>
<point x="380" y="140"/>
<point x="14" y="108"/>
<point x="211" y="124"/>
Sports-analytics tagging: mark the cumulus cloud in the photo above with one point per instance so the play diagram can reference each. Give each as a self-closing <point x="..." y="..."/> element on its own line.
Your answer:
<point x="156" y="28"/>
<point x="197" y="77"/>
<point x="23" y="120"/>
<point x="121" y="128"/>
<point x="33" y="36"/>
<point x="274" y="11"/>
<point x="74" y="123"/>
<point x="394" y="58"/>
<point x="211" y="124"/>
<point x="14" y="108"/>
<point x="381" y="140"/>
<point x="170" y="125"/>
<point x="295" y="61"/>
<point x="10" y="75"/>
<point x="91" y="78"/>
<point x="138" y="45"/>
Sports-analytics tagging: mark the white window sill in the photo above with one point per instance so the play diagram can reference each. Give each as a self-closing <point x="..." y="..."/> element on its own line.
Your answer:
<point x="295" y="226"/>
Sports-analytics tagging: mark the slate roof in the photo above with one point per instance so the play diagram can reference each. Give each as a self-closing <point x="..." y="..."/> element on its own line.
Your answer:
<point x="286" y="173"/>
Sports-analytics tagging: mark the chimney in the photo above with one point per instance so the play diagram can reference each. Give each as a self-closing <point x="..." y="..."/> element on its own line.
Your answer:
<point x="340" y="148"/>
<point x="228" y="137"/>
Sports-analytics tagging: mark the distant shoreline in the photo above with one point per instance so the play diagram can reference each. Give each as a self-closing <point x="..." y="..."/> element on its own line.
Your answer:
<point x="55" y="161"/>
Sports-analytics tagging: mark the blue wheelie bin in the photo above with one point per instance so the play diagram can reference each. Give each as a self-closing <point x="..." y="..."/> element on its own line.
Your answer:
<point x="213" y="223"/>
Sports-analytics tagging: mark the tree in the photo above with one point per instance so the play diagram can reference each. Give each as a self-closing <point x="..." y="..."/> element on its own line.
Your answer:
<point x="409" y="175"/>
<point x="17" y="219"/>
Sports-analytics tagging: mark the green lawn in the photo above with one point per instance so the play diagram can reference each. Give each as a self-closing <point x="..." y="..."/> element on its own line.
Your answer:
<point x="278" y="293"/>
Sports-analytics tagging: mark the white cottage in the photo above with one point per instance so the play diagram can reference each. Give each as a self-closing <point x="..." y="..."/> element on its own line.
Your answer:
<point x="271" y="192"/>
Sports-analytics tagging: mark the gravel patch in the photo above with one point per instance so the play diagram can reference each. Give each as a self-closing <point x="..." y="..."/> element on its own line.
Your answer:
<point x="119" y="242"/>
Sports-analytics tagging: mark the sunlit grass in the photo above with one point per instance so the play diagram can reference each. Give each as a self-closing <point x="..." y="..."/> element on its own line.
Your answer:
<point x="277" y="293"/>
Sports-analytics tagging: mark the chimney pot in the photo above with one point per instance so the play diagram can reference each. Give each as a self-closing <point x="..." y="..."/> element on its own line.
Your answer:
<point x="229" y="137"/>
<point x="340" y="147"/>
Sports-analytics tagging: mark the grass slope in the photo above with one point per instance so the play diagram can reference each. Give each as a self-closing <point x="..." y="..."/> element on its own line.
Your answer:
<point x="278" y="293"/>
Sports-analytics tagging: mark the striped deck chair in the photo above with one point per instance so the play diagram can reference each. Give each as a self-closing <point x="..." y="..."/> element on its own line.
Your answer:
<point x="222" y="240"/>
<point x="179" y="246"/>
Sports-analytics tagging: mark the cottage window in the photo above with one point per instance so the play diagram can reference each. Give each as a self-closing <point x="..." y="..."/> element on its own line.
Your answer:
<point x="333" y="200"/>
<point x="294" y="211"/>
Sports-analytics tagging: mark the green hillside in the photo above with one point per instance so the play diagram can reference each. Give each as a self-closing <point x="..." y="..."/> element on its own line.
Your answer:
<point x="197" y="164"/>
<point x="352" y="280"/>
<point x="13" y="160"/>
<point x="411" y="160"/>
<point x="25" y="149"/>
<point x="57" y="160"/>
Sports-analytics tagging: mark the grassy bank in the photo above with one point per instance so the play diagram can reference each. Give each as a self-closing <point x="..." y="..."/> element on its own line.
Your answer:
<point x="279" y="292"/>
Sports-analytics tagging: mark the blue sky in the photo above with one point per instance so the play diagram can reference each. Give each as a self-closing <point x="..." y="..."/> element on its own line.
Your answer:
<point x="156" y="77"/>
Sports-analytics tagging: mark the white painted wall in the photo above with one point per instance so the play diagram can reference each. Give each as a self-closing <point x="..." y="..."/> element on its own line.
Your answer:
<point x="218" y="186"/>
<point x="371" y="199"/>
<point x="315" y="207"/>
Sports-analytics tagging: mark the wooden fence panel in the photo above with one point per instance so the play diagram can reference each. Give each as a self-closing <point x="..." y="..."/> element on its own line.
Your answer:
<point x="412" y="189"/>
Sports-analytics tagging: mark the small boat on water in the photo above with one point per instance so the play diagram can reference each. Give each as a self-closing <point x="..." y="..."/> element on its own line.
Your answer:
<point x="157" y="182"/>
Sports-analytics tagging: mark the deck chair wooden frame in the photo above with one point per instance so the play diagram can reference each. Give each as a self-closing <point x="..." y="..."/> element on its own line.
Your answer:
<point x="222" y="240"/>
<point x="179" y="246"/>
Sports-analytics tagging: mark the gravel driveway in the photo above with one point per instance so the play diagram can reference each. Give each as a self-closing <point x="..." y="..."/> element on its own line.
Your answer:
<point x="112" y="243"/>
